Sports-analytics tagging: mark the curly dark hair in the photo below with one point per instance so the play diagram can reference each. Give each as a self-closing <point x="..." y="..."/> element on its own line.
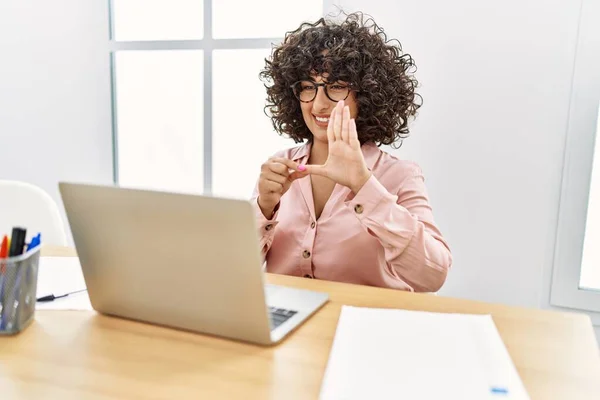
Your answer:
<point x="356" y="51"/>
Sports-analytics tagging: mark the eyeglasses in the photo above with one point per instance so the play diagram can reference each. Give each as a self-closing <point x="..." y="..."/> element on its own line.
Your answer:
<point x="306" y="91"/>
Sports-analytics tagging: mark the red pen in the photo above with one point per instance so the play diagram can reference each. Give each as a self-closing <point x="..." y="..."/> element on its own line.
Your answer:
<point x="4" y="251"/>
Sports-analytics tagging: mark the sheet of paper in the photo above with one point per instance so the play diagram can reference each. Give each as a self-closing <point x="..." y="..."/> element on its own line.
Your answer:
<point x="60" y="275"/>
<point x="393" y="354"/>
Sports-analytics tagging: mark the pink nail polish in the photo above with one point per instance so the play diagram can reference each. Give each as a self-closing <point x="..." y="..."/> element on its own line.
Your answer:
<point x="301" y="168"/>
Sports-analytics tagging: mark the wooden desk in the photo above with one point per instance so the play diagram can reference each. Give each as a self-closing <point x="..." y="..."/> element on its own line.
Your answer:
<point x="83" y="355"/>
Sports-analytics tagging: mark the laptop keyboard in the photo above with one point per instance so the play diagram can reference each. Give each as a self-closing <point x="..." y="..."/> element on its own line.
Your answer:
<point x="279" y="316"/>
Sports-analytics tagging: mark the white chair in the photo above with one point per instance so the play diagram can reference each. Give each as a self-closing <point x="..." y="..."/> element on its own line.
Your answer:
<point x="28" y="206"/>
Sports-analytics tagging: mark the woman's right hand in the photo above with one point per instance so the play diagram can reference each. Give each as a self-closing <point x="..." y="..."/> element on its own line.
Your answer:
<point x="276" y="177"/>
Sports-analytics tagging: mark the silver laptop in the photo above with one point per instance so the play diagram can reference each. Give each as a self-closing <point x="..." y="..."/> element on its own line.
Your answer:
<point x="179" y="260"/>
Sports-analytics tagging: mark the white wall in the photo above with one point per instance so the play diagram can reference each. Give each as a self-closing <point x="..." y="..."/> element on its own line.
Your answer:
<point x="496" y="80"/>
<point x="55" y="121"/>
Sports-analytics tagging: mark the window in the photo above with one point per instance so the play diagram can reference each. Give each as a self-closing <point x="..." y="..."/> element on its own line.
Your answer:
<point x="157" y="19"/>
<point x="188" y="105"/>
<point x="590" y="262"/>
<point x="576" y="275"/>
<point x="160" y="108"/>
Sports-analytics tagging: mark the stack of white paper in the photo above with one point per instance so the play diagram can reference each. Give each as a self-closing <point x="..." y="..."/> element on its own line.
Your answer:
<point x="58" y="276"/>
<point x="400" y="354"/>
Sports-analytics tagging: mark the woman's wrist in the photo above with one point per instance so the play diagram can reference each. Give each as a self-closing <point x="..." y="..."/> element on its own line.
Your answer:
<point x="360" y="182"/>
<point x="267" y="210"/>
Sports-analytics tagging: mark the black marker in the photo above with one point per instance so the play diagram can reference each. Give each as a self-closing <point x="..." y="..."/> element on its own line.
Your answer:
<point x="17" y="241"/>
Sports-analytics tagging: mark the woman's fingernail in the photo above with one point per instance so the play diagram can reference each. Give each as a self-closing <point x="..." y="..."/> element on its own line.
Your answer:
<point x="301" y="167"/>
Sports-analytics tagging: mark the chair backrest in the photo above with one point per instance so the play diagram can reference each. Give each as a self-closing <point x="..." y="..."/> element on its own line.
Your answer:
<point x="26" y="205"/>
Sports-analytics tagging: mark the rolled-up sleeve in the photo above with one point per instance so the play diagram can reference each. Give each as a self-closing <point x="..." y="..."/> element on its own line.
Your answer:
<point x="415" y="250"/>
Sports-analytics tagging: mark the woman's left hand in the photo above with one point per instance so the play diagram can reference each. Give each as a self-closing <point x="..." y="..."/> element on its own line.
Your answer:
<point x="345" y="163"/>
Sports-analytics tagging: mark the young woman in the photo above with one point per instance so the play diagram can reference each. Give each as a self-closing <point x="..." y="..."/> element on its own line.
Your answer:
<point x="337" y="207"/>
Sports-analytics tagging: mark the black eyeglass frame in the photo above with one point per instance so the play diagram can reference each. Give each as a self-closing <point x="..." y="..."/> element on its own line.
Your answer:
<point x="349" y="86"/>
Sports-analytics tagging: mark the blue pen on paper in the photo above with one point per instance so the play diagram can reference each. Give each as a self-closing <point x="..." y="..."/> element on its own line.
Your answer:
<point x="499" y="390"/>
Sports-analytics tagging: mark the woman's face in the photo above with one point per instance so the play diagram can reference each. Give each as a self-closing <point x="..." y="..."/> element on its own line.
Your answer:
<point x="316" y="112"/>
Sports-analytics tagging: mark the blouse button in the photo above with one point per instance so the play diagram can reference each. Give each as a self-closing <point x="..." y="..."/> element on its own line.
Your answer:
<point x="308" y="276"/>
<point x="312" y="225"/>
<point x="268" y="227"/>
<point x="306" y="254"/>
<point x="358" y="209"/>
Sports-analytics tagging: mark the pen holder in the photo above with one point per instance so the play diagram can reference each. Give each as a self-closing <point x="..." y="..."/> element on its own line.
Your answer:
<point x="18" y="286"/>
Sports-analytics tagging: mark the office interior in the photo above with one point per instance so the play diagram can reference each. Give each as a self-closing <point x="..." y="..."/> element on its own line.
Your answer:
<point x="165" y="95"/>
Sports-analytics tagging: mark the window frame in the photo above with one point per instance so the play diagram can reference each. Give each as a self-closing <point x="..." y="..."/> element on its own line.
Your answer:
<point x="577" y="167"/>
<point x="207" y="44"/>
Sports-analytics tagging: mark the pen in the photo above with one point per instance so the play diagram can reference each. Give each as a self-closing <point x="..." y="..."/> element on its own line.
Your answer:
<point x="17" y="241"/>
<point x="17" y="244"/>
<point x="35" y="241"/>
<point x="52" y="297"/>
<point x="3" y="255"/>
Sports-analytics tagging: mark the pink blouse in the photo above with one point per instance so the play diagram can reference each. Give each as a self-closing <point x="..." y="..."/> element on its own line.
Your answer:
<point x="383" y="236"/>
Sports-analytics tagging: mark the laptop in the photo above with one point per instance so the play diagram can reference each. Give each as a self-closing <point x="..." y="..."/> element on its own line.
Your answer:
<point x="180" y="260"/>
